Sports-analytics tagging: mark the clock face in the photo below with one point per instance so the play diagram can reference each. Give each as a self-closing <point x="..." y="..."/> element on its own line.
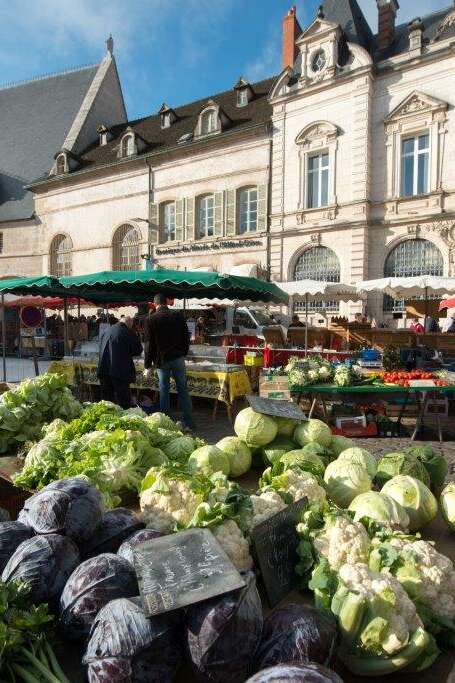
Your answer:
<point x="319" y="61"/>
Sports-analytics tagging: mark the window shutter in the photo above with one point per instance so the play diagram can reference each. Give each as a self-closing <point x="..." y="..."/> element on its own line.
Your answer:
<point x="218" y="214"/>
<point x="262" y="207"/>
<point x="230" y="212"/>
<point x="179" y="207"/>
<point x="190" y="231"/>
<point x="154" y="227"/>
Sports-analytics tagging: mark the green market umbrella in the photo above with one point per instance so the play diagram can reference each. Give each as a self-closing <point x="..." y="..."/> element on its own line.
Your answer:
<point x="141" y="285"/>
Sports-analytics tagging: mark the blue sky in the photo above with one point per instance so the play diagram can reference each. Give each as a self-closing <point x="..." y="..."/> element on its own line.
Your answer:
<point x="167" y="50"/>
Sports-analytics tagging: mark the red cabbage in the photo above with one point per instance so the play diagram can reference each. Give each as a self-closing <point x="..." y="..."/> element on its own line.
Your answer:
<point x="71" y="507"/>
<point x="116" y="527"/>
<point x="4" y="515"/>
<point x="223" y="633"/>
<point x="44" y="562"/>
<point x="297" y="634"/>
<point x="127" y="548"/>
<point x="295" y="673"/>
<point x="12" y="534"/>
<point x="90" y="587"/>
<point x="127" y="646"/>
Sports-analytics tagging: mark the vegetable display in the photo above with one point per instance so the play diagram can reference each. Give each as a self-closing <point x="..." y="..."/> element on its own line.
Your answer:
<point x="416" y="498"/>
<point x="302" y="673"/>
<point x="380" y="508"/>
<point x="255" y="429"/>
<point x="12" y="534"/>
<point x="346" y="480"/>
<point x="25" y="409"/>
<point x="238" y="453"/>
<point x="447" y="502"/>
<point x="392" y="464"/>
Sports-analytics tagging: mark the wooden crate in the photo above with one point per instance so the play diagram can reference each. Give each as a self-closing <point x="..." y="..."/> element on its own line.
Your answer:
<point x="12" y="498"/>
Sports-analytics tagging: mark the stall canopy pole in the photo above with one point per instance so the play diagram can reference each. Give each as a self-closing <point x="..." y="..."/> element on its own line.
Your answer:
<point x="426" y="310"/>
<point x="4" y="336"/>
<point x="65" y="325"/>
<point x="306" y="324"/>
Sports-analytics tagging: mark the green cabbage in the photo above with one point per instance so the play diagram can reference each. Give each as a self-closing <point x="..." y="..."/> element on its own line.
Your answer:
<point x="207" y="460"/>
<point x="392" y="464"/>
<point x="344" y="481"/>
<point x="320" y="451"/>
<point x="361" y="457"/>
<point x="180" y="449"/>
<point x="434" y="462"/>
<point x="380" y="508"/>
<point x="286" y="426"/>
<point x="340" y="444"/>
<point x="313" y="431"/>
<point x="254" y="428"/>
<point x="161" y="420"/>
<point x="447" y="502"/>
<point x="415" y="497"/>
<point x="279" y="446"/>
<point x="308" y="462"/>
<point x="238" y="453"/>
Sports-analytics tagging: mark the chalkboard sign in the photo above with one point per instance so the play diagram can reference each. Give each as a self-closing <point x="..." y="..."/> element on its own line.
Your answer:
<point x="275" y="408"/>
<point x="181" y="569"/>
<point x="275" y="547"/>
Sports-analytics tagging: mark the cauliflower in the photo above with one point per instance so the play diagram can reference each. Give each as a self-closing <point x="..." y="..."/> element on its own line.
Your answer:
<point x="342" y="542"/>
<point x="168" y="500"/>
<point x="234" y="544"/>
<point x="434" y="584"/>
<point x="370" y="585"/>
<point x="265" y="505"/>
<point x="299" y="484"/>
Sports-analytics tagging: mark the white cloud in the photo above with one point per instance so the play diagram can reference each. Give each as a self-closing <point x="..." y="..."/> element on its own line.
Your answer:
<point x="268" y="62"/>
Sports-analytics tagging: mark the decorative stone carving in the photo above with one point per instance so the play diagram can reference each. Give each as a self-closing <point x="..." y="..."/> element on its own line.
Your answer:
<point x="446" y="24"/>
<point x="414" y="103"/>
<point x="323" y="131"/>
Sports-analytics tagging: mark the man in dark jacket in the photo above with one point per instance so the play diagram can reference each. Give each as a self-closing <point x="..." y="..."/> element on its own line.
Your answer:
<point x="116" y="371"/>
<point x="168" y="343"/>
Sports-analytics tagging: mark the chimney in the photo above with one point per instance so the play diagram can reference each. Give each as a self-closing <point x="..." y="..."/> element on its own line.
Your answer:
<point x="387" y="11"/>
<point x="291" y="31"/>
<point x="416" y="29"/>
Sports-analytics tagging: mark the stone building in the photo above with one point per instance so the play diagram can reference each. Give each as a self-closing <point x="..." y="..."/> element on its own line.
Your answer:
<point x="339" y="168"/>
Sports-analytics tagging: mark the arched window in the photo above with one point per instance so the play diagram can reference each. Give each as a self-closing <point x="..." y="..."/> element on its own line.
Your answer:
<point x="126" y="248"/>
<point x="61" y="262"/>
<point x="61" y="164"/>
<point x="127" y="146"/>
<point x="208" y="122"/>
<point x="322" y="264"/>
<point x="411" y="258"/>
<point x="248" y="209"/>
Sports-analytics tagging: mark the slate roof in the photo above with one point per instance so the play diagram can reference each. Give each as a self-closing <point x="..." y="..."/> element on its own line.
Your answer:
<point x="350" y="17"/>
<point x="431" y="23"/>
<point x="35" y="119"/>
<point x="159" y="139"/>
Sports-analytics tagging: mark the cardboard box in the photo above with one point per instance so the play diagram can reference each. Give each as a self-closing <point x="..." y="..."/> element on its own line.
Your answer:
<point x="277" y="387"/>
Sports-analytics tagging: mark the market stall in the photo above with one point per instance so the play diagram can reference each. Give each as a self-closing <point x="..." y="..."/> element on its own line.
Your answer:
<point x="265" y="581"/>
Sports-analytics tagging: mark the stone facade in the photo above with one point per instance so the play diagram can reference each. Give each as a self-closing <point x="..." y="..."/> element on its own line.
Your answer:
<point x="357" y="111"/>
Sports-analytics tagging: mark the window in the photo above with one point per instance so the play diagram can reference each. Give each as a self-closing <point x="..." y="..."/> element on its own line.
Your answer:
<point x="411" y="258"/>
<point x="318" y="180"/>
<point x="242" y="97"/>
<point x="322" y="264"/>
<point x="168" y="222"/>
<point x="127" y="146"/>
<point x="208" y="122"/>
<point x="60" y="256"/>
<point x="126" y="248"/>
<point x="248" y="210"/>
<point x="415" y="156"/>
<point x="206" y="216"/>
<point x="166" y="120"/>
<point x="319" y="61"/>
<point x="61" y="164"/>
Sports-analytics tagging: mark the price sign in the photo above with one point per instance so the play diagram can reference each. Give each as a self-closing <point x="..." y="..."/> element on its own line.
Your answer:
<point x="276" y="408"/>
<point x="275" y="544"/>
<point x="181" y="569"/>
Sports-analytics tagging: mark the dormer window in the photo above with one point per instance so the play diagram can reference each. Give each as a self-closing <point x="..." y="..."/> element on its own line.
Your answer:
<point x="105" y="135"/>
<point x="208" y="122"/>
<point x="60" y="164"/>
<point x="244" y="92"/>
<point x="127" y="146"/>
<point x="167" y="116"/>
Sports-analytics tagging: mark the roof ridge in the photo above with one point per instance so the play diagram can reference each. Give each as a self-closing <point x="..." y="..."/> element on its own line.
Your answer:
<point x="15" y="84"/>
<point x="443" y="10"/>
<point x="201" y="99"/>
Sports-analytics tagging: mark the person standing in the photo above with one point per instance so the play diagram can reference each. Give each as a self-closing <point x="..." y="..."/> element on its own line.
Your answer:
<point x="416" y="326"/>
<point x="168" y="340"/>
<point x="116" y="371"/>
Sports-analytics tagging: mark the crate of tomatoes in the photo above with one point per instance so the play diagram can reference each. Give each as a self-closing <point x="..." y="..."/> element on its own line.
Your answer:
<point x="403" y="378"/>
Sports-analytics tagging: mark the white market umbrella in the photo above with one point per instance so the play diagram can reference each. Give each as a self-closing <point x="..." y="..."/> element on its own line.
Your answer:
<point x="315" y="290"/>
<point x="409" y="287"/>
